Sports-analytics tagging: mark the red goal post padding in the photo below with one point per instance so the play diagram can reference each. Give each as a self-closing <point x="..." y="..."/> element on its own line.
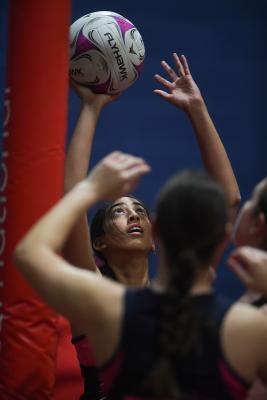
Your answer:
<point x="31" y="181"/>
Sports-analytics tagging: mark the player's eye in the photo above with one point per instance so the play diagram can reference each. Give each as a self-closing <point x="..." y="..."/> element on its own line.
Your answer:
<point x="118" y="211"/>
<point x="141" y="210"/>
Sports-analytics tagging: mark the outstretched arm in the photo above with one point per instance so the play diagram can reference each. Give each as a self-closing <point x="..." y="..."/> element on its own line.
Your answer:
<point x="182" y="92"/>
<point x="77" y="294"/>
<point x="78" y="250"/>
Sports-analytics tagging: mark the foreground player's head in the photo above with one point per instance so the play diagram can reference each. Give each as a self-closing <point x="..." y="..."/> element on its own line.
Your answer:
<point x="191" y="218"/>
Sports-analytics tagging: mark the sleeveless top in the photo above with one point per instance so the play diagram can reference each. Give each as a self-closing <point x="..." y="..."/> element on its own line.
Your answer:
<point x="204" y="376"/>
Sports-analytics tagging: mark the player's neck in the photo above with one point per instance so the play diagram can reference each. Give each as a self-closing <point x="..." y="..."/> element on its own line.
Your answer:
<point x="131" y="270"/>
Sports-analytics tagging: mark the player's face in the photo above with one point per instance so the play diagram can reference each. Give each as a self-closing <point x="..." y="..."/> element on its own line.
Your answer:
<point x="128" y="226"/>
<point x="244" y="234"/>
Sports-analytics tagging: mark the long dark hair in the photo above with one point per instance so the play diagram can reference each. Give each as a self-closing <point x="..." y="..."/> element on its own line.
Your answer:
<point x="191" y="216"/>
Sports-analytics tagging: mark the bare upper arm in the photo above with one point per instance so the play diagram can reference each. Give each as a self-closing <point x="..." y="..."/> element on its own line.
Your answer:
<point x="93" y="304"/>
<point x="84" y="297"/>
<point x="244" y="337"/>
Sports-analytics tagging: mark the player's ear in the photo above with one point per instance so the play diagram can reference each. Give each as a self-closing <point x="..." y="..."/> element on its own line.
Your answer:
<point x="99" y="244"/>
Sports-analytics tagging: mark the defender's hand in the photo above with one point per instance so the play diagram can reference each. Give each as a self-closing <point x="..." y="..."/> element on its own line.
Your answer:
<point x="182" y="91"/>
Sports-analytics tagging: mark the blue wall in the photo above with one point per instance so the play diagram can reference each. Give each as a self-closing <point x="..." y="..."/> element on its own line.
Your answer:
<point x="225" y="43"/>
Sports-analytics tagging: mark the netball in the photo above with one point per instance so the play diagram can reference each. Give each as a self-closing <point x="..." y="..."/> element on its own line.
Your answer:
<point x="106" y="52"/>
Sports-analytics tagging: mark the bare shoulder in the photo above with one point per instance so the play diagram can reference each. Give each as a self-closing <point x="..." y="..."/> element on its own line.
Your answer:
<point x="87" y="299"/>
<point x="102" y="291"/>
<point x="241" y="315"/>
<point x="243" y="338"/>
<point x="104" y="328"/>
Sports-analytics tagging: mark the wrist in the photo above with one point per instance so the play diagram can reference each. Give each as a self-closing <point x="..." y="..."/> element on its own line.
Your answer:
<point x="195" y="102"/>
<point x="94" y="107"/>
<point x="86" y="193"/>
<point x="195" y="106"/>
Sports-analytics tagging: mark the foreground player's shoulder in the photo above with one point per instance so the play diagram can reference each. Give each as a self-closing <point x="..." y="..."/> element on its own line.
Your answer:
<point x="243" y="338"/>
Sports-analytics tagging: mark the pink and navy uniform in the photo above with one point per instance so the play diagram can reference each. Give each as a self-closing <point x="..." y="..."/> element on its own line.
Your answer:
<point x="90" y="374"/>
<point x="206" y="376"/>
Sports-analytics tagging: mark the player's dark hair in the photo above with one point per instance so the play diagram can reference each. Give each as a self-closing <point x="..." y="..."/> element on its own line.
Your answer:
<point x="191" y="216"/>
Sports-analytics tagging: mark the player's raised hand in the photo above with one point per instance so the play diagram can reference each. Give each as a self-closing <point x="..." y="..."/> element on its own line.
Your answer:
<point x="180" y="89"/>
<point x="250" y="266"/>
<point x="116" y="174"/>
<point x="89" y="97"/>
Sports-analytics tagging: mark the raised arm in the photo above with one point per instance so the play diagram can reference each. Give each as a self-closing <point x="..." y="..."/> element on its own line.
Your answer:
<point x="78" y="250"/>
<point x="250" y="266"/>
<point x="182" y="92"/>
<point x="77" y="294"/>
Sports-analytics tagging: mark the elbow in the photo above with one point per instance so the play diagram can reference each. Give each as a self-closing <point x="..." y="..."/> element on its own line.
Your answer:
<point x="236" y="201"/>
<point x="20" y="255"/>
<point x="234" y="206"/>
<point x="234" y="198"/>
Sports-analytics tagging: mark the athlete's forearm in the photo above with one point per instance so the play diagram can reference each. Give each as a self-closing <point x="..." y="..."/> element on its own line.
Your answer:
<point x="80" y="147"/>
<point x="213" y="153"/>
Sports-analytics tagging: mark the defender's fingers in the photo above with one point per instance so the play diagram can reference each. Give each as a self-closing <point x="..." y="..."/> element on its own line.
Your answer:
<point x="245" y="256"/>
<point x="172" y="74"/>
<point x="239" y="271"/>
<point x="163" y="81"/>
<point x="136" y="171"/>
<point x="120" y="161"/>
<point x="162" y="94"/>
<point x="130" y="162"/>
<point x="185" y="65"/>
<point x="178" y="64"/>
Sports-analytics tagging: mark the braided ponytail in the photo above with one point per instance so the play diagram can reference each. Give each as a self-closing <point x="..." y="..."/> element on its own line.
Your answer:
<point x="191" y="218"/>
<point x="177" y="330"/>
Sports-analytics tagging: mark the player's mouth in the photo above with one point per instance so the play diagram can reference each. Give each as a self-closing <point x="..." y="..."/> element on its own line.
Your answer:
<point x="135" y="230"/>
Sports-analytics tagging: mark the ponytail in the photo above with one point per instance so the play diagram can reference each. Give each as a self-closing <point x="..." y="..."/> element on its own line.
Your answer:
<point x="191" y="217"/>
<point x="177" y="326"/>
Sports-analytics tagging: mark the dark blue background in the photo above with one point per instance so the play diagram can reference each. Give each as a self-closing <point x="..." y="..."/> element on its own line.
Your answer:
<point x="225" y="43"/>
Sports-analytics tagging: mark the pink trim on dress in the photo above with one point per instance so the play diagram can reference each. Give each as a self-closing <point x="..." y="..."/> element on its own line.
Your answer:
<point x="109" y="373"/>
<point x="235" y="388"/>
<point x="84" y="352"/>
